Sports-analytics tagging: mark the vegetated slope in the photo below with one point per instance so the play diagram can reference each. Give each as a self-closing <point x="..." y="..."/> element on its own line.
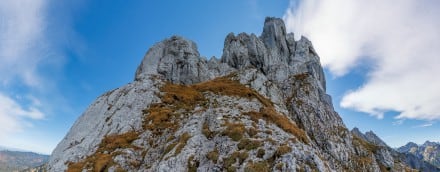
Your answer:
<point x="17" y="161"/>
<point x="261" y="107"/>
<point x="428" y="151"/>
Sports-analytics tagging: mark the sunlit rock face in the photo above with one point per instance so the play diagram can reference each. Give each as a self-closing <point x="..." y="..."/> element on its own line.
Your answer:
<point x="261" y="107"/>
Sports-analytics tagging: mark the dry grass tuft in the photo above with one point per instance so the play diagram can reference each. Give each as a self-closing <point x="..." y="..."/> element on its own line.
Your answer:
<point x="213" y="155"/>
<point x="283" y="149"/>
<point x="240" y="156"/>
<point x="192" y="164"/>
<point x="249" y="144"/>
<point x="205" y="130"/>
<point x="182" y="142"/>
<point x="102" y="159"/>
<point x="262" y="166"/>
<point x="234" y="130"/>
<point x="269" y="114"/>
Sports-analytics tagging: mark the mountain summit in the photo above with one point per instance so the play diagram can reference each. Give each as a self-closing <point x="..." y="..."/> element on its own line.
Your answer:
<point x="261" y="107"/>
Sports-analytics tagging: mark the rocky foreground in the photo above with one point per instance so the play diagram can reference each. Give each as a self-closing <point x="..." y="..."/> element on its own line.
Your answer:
<point x="261" y="107"/>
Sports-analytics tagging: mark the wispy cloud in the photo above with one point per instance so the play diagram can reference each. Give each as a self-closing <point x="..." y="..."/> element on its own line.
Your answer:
<point x="13" y="116"/>
<point x="398" y="122"/>
<point x="429" y="124"/>
<point x="22" y="41"/>
<point x="26" y="53"/>
<point x="400" y="39"/>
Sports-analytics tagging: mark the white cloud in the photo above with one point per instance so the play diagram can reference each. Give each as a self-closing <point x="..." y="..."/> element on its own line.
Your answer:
<point x="24" y="50"/>
<point x="400" y="38"/>
<point x="22" y="44"/>
<point x="13" y="116"/>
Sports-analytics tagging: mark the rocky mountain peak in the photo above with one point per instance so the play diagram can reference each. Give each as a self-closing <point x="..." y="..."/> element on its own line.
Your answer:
<point x="262" y="107"/>
<point x="429" y="143"/>
<point x="428" y="151"/>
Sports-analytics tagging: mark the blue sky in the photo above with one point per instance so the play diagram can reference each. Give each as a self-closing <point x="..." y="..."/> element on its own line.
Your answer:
<point x="57" y="57"/>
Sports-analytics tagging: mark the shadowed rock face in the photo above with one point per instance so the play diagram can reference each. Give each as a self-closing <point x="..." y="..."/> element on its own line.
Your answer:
<point x="262" y="106"/>
<point x="428" y="151"/>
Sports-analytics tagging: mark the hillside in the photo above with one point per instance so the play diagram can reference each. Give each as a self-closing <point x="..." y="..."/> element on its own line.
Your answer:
<point x="18" y="161"/>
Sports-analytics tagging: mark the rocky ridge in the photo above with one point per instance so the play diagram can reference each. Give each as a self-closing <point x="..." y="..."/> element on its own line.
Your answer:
<point x="261" y="106"/>
<point x="428" y="151"/>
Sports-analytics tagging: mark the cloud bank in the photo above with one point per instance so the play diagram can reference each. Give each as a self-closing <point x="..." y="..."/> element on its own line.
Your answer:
<point x="400" y="39"/>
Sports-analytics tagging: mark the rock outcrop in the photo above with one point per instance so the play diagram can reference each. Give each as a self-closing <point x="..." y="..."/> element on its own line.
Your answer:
<point x="261" y="107"/>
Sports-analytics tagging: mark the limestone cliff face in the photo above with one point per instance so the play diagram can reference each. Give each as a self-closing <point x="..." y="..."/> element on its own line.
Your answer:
<point x="261" y="107"/>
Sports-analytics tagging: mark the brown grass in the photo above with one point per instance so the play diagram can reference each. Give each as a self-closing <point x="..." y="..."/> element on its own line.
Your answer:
<point x="227" y="86"/>
<point x="102" y="159"/>
<point x="240" y="156"/>
<point x="262" y="166"/>
<point x="192" y="164"/>
<point x="234" y="130"/>
<point x="213" y="155"/>
<point x="283" y="149"/>
<point x="252" y="132"/>
<point x="205" y="130"/>
<point x="301" y="76"/>
<point x="181" y="96"/>
<point x="249" y="144"/>
<point x="269" y="114"/>
<point x="182" y="142"/>
<point x="365" y="144"/>
<point x="260" y="153"/>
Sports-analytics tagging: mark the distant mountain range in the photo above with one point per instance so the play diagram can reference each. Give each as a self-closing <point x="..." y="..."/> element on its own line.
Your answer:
<point x="19" y="161"/>
<point x="428" y="151"/>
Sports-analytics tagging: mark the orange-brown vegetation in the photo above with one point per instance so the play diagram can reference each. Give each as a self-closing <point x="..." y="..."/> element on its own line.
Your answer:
<point x="229" y="161"/>
<point x="182" y="142"/>
<point x="261" y="166"/>
<point x="213" y="155"/>
<point x="102" y="159"/>
<point x="229" y="87"/>
<point x="234" y="130"/>
<point x="269" y="114"/>
<point x="205" y="130"/>
<point x="249" y="144"/>
<point x="281" y="150"/>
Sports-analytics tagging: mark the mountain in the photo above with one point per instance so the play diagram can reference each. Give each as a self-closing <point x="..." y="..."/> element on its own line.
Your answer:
<point x="18" y="161"/>
<point x="428" y="151"/>
<point x="261" y="107"/>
